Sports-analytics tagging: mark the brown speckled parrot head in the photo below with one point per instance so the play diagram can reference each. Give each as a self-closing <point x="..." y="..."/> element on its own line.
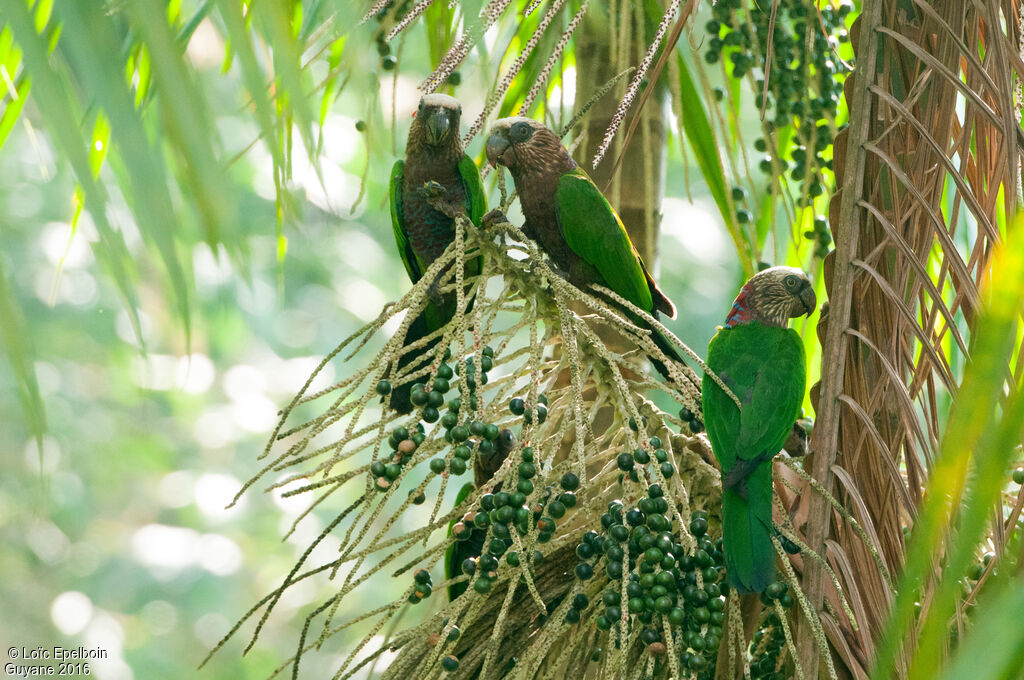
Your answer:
<point x="525" y="145"/>
<point x="773" y="297"/>
<point x="436" y="122"/>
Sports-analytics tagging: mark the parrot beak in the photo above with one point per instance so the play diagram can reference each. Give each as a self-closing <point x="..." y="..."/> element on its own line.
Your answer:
<point x="437" y="127"/>
<point x="497" y="145"/>
<point x="808" y="299"/>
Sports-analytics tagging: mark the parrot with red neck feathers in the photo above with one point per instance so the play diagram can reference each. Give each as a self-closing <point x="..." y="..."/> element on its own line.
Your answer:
<point x="433" y="153"/>
<point x="762" y="362"/>
<point x="572" y="221"/>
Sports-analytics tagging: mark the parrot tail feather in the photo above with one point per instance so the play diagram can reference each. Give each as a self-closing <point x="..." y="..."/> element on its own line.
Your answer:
<point x="747" y="533"/>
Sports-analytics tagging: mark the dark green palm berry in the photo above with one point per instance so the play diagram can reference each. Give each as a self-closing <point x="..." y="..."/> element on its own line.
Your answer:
<point x="542" y="413"/>
<point x="449" y="420"/>
<point x="738" y="194"/>
<point x="417" y="395"/>
<point x="572" y="616"/>
<point x="454" y="405"/>
<point x="392" y="471"/>
<point x="377" y="468"/>
<point x="636" y="605"/>
<point x="430" y="414"/>
<point x="744" y="216"/>
<point x="625" y="461"/>
<point x="619" y="533"/>
<point x="486" y="363"/>
<point x="641" y="456"/>
<point x="441" y="385"/>
<point x="517" y="406"/>
<point x="676" y="616"/>
<point x="580" y="602"/>
<point x="491" y="432"/>
<point x="775" y="590"/>
<point x="1018" y="475"/>
<point x="451" y="663"/>
<point x="457" y="466"/>
<point x="383" y="387"/>
<point x="570" y="481"/>
<point x="419" y="499"/>
<point x="584" y="551"/>
<point x="435" y="399"/>
<point x="485" y="447"/>
<point x="437" y="465"/>
<point x="556" y="509"/>
<point x="517" y="499"/>
<point x="667" y="470"/>
<point x="584" y="571"/>
<point x="635" y="518"/>
<point x="604" y="622"/>
<point x="422" y="576"/>
<point x="711" y="57"/>
<point x="414" y="598"/>
<point x="698" y="526"/>
<point x="524" y="486"/>
<point x="614" y="612"/>
<point x="718" y="93"/>
<point x="445" y="371"/>
<point x="476" y="428"/>
<point x="460" y="433"/>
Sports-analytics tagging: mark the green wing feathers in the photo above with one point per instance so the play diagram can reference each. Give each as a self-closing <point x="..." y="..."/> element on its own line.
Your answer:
<point x="412" y="264"/>
<point x="476" y="200"/>
<point x="595" y="233"/>
<point x="765" y="368"/>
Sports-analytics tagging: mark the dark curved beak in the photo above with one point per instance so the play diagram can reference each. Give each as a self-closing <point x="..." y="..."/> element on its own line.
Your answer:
<point x="808" y="299"/>
<point x="497" y="145"/>
<point x="437" y="127"/>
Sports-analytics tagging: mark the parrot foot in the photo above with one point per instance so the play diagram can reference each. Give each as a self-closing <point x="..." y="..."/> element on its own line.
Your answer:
<point x="492" y="218"/>
<point x="736" y="478"/>
<point x="434" y="192"/>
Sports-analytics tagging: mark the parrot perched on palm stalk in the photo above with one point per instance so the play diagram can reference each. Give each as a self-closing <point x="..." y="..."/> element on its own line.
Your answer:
<point x="761" y="360"/>
<point x="572" y="221"/>
<point x="473" y="542"/>
<point x="433" y="154"/>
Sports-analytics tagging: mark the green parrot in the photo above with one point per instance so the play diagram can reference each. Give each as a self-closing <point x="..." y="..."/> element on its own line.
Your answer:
<point x="471" y="547"/>
<point x="433" y="153"/>
<point x="762" y="361"/>
<point x="572" y="221"/>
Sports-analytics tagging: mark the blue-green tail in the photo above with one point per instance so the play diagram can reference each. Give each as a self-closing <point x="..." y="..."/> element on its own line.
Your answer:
<point x="747" y="537"/>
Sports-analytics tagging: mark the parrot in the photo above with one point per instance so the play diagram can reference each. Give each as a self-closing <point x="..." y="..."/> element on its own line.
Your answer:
<point x="433" y="156"/>
<point x="572" y="221"/>
<point x="460" y="550"/>
<point x="762" y="362"/>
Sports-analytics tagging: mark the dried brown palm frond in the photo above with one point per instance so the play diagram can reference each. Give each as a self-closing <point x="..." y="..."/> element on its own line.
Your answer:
<point x="928" y="172"/>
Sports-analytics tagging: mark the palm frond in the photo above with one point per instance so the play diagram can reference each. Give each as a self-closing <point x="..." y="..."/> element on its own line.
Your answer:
<point x="931" y="167"/>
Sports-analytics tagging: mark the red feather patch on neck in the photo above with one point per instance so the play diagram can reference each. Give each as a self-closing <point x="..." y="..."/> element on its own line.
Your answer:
<point x="739" y="314"/>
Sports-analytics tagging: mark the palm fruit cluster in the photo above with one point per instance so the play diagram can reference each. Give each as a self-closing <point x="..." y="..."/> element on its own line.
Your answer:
<point x="805" y="78"/>
<point x="653" y="580"/>
<point x="466" y="436"/>
<point x="633" y="462"/>
<point x="497" y="514"/>
<point x="766" y="649"/>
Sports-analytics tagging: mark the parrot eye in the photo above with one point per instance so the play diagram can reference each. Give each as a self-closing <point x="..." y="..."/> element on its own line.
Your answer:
<point x="791" y="282"/>
<point x="520" y="132"/>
